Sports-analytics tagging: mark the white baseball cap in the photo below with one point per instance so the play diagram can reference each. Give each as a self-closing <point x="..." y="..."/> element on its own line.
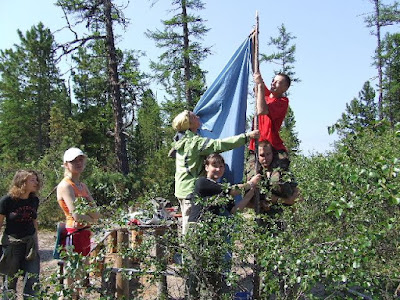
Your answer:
<point x="72" y="153"/>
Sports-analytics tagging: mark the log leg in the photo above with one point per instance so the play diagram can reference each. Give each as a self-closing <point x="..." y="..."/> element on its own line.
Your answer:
<point x="162" y="287"/>
<point x="122" y="283"/>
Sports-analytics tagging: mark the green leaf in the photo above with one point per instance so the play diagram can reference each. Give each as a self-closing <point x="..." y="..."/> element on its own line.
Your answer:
<point x="394" y="200"/>
<point x="354" y="177"/>
<point x="338" y="213"/>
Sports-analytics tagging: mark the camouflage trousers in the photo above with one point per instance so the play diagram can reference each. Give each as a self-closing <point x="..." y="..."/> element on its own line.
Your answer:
<point x="277" y="180"/>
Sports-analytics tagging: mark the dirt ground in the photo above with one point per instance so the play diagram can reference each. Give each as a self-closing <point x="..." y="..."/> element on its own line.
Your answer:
<point x="49" y="266"/>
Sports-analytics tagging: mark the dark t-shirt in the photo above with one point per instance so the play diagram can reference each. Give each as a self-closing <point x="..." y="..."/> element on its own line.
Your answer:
<point x="20" y="214"/>
<point x="206" y="188"/>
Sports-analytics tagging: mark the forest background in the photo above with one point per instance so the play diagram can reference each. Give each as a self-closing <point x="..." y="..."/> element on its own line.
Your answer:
<point x="109" y="106"/>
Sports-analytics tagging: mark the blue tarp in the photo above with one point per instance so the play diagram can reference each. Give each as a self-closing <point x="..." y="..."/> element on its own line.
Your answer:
<point x="222" y="108"/>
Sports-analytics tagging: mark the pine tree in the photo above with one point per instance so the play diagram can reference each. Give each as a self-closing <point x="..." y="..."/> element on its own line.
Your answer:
<point x="149" y="149"/>
<point x="94" y="107"/>
<point x="93" y="97"/>
<point x="391" y="80"/>
<point x="288" y="133"/>
<point x="100" y="16"/>
<point x="29" y="87"/>
<point x="284" y="57"/>
<point x="178" y="68"/>
<point x="64" y="130"/>
<point x="360" y="113"/>
<point x="383" y="15"/>
<point x="148" y="132"/>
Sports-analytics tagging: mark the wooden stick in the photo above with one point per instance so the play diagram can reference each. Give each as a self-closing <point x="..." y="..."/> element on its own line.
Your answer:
<point x="256" y="47"/>
<point x="256" y="69"/>
<point x="122" y="284"/>
<point x="162" y="288"/>
<point x="256" y="274"/>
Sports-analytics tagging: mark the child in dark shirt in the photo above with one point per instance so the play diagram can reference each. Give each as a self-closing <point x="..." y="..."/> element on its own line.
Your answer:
<point x="210" y="196"/>
<point x="20" y="239"/>
<point x="209" y="186"/>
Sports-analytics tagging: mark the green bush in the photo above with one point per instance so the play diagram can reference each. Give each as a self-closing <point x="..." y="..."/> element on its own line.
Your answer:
<point x="340" y="241"/>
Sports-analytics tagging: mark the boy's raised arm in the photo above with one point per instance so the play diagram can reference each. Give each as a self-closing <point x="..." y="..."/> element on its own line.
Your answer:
<point x="262" y="107"/>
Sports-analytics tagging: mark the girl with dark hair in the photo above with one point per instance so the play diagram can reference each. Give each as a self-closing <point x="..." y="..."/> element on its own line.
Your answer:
<point x="209" y="186"/>
<point x="206" y="198"/>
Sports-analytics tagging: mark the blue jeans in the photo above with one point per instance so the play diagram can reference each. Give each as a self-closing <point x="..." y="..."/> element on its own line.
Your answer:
<point x="30" y="268"/>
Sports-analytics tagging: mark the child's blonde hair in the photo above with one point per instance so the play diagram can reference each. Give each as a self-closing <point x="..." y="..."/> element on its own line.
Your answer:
<point x="182" y="121"/>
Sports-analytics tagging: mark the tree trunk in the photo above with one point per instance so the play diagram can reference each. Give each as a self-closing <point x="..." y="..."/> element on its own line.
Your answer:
<point x="186" y="60"/>
<point x="119" y="137"/>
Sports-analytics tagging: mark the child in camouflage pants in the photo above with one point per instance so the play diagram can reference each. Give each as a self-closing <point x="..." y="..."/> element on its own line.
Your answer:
<point x="278" y="186"/>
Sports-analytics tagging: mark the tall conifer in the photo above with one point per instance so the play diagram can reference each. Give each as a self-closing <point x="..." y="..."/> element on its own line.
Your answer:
<point x="100" y="16"/>
<point x="178" y="67"/>
<point x="30" y="85"/>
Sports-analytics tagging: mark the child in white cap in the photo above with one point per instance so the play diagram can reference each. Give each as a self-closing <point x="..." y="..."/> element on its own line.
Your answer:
<point x="70" y="190"/>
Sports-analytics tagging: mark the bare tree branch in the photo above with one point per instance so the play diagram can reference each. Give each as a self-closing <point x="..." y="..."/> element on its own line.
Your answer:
<point x="71" y="46"/>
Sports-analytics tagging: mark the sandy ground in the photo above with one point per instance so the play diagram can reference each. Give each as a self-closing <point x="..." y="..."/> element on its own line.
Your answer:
<point x="175" y="284"/>
<point x="48" y="265"/>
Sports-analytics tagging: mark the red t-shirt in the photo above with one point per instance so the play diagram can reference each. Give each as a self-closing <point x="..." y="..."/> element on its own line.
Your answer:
<point x="270" y="124"/>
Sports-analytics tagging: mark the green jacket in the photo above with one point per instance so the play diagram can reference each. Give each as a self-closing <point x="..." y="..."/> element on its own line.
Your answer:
<point x="191" y="150"/>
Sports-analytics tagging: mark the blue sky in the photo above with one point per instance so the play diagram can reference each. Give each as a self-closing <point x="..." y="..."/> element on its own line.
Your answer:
<point x="333" y="56"/>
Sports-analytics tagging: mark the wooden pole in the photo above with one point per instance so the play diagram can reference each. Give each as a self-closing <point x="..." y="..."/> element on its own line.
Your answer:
<point x="60" y="264"/>
<point x="256" y="47"/>
<point x="256" y="68"/>
<point x="122" y="283"/>
<point x="108" y="283"/>
<point x="112" y="242"/>
<point x="162" y="288"/>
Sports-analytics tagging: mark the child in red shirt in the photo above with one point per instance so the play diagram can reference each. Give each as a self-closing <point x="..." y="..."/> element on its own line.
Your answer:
<point x="272" y="107"/>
